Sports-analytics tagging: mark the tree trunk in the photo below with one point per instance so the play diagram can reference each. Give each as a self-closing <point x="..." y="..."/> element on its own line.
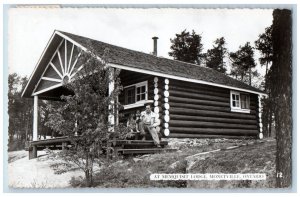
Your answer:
<point x="89" y="170"/>
<point x="270" y="121"/>
<point x="281" y="92"/>
<point x="88" y="178"/>
<point x="266" y="75"/>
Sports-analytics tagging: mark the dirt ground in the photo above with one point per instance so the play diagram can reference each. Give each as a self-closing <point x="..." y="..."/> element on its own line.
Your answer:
<point x="135" y="171"/>
<point x="35" y="173"/>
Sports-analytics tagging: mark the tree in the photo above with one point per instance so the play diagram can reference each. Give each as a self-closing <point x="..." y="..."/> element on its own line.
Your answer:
<point x="264" y="44"/>
<point x="242" y="63"/>
<point x="19" y="111"/>
<point x="13" y="81"/>
<point x="281" y="93"/>
<point x="187" y="47"/>
<point x="84" y="116"/>
<point x="265" y="47"/>
<point x="27" y="111"/>
<point x="215" y="56"/>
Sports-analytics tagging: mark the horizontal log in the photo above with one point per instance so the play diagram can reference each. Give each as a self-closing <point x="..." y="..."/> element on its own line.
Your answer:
<point x="51" y="141"/>
<point x="198" y="86"/>
<point x="166" y="118"/>
<point x="198" y="96"/>
<point x="166" y="132"/>
<point x="166" y="125"/>
<point x="166" y="94"/>
<point x="200" y="124"/>
<point x="157" y="110"/>
<point x="253" y="97"/>
<point x="177" y="99"/>
<point x="191" y="112"/>
<point x="185" y="135"/>
<point x="213" y="119"/>
<point x="156" y="97"/>
<point x="200" y="107"/>
<point x="200" y="91"/>
<point x="213" y="131"/>
<point x="204" y="107"/>
<point x="166" y="87"/>
<point x="166" y="112"/>
<point x="157" y="103"/>
<point x="166" y="106"/>
<point x="167" y="81"/>
<point x="156" y="90"/>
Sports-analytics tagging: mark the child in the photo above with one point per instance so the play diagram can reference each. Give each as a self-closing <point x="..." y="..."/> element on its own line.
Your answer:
<point x="134" y="125"/>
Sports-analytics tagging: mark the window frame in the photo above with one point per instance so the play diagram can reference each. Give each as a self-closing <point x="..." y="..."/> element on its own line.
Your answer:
<point x="239" y="108"/>
<point x="138" y="85"/>
<point x="126" y="90"/>
<point x="140" y="102"/>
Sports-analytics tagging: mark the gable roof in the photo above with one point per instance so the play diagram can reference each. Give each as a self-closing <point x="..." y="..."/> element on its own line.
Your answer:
<point x="142" y="62"/>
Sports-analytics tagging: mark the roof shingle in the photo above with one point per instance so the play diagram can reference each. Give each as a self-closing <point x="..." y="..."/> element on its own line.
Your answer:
<point x="135" y="59"/>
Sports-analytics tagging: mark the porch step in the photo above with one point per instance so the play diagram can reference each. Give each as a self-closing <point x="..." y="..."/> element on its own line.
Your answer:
<point x="132" y="144"/>
<point x="145" y="150"/>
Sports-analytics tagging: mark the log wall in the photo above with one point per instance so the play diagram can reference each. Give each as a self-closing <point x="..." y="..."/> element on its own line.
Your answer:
<point x="193" y="110"/>
<point x="198" y="110"/>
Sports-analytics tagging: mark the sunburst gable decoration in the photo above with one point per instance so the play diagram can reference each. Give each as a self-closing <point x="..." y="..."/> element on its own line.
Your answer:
<point x="62" y="67"/>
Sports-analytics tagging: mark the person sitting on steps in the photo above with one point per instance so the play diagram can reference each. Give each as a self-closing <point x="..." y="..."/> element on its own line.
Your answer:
<point x="149" y="123"/>
<point x="134" y="124"/>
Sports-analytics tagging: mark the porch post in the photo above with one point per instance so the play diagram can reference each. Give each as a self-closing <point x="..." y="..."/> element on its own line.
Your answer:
<point x="111" y="87"/>
<point x="35" y="119"/>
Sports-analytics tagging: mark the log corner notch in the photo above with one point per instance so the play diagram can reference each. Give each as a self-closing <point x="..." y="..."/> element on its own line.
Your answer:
<point x="260" y="135"/>
<point x="166" y="107"/>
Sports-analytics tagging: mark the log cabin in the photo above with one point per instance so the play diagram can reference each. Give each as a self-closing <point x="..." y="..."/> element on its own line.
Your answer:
<point x="192" y="101"/>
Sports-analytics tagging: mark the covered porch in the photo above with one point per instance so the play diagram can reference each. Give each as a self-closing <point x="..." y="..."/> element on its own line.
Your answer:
<point x="138" y="89"/>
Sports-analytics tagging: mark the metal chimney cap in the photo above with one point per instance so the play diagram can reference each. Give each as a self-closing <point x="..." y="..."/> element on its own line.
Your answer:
<point x="154" y="38"/>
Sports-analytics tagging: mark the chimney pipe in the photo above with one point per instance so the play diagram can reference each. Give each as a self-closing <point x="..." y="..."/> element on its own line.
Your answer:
<point x="155" y="45"/>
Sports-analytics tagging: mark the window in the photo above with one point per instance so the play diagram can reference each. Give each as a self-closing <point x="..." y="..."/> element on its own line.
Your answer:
<point x="141" y="92"/>
<point x="130" y="95"/>
<point x="240" y="102"/>
<point x="136" y="93"/>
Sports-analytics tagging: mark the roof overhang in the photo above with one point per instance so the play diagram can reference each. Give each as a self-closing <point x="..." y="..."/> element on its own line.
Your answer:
<point x="42" y="63"/>
<point x="129" y="68"/>
<point x="58" y="36"/>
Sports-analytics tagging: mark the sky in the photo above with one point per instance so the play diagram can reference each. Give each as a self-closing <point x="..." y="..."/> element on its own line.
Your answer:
<point x="29" y="29"/>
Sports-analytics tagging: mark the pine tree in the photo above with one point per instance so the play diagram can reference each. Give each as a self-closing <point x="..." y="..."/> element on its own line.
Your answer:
<point x="265" y="47"/>
<point x="19" y="111"/>
<point x="215" y="56"/>
<point x="242" y="63"/>
<point x="187" y="47"/>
